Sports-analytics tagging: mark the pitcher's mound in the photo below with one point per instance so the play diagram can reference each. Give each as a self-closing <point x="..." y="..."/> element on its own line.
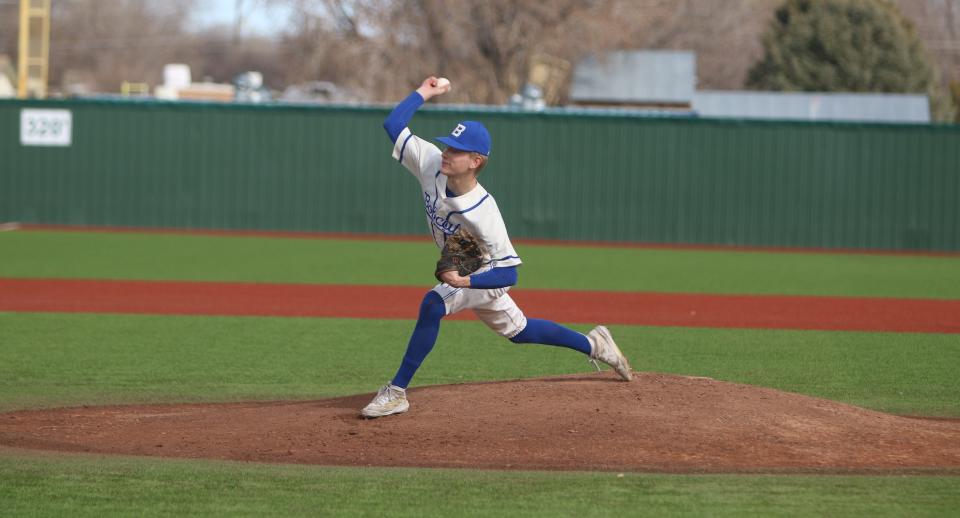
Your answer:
<point x="655" y="423"/>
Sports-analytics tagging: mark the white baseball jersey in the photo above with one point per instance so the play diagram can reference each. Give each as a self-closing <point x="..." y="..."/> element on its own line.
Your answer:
<point x="475" y="211"/>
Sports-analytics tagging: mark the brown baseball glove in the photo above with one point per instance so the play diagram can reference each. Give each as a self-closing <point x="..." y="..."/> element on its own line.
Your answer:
<point x="461" y="252"/>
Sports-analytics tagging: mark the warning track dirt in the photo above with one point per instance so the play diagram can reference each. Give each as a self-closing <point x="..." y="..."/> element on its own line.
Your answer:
<point x="401" y="302"/>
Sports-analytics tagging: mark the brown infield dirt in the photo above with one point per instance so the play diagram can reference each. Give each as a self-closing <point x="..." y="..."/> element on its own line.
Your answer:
<point x="656" y="423"/>
<point x="391" y="302"/>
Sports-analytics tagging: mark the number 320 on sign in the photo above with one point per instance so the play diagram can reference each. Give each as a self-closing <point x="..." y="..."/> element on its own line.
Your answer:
<point x="46" y="127"/>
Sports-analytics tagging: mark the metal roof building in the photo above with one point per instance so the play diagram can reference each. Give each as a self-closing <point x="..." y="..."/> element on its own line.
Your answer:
<point x="666" y="80"/>
<point x="821" y="106"/>
<point x="636" y="77"/>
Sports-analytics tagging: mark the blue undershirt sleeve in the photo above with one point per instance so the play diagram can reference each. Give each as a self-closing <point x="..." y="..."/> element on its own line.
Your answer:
<point x="401" y="115"/>
<point x="494" y="278"/>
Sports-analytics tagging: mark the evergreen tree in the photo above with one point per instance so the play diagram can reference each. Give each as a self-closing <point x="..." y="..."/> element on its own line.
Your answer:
<point x="846" y="46"/>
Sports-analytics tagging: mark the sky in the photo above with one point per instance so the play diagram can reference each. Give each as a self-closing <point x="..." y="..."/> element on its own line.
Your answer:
<point x="259" y="19"/>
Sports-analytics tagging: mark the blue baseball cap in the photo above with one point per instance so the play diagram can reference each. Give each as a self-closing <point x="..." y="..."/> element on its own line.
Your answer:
<point x="469" y="136"/>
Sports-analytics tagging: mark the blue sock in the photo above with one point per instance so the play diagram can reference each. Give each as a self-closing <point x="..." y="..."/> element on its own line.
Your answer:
<point x="432" y="309"/>
<point x="550" y="333"/>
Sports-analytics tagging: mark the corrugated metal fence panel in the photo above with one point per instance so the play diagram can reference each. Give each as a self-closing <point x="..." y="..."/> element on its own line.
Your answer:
<point x="582" y="177"/>
<point x="730" y="182"/>
<point x="208" y="166"/>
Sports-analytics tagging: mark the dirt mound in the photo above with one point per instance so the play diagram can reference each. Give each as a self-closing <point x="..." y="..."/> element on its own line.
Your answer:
<point x="655" y="423"/>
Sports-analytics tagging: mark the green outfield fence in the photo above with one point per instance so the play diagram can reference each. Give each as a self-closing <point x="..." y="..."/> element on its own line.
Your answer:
<point x="557" y="175"/>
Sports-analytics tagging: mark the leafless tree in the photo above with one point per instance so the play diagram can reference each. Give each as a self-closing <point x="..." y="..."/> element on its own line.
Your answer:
<point x="379" y="49"/>
<point x="382" y="47"/>
<point x="103" y="43"/>
<point x="9" y="22"/>
<point x="725" y="34"/>
<point x="938" y="25"/>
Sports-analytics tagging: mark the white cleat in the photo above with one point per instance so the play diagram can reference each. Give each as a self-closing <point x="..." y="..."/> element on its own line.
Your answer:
<point x="390" y="400"/>
<point x="603" y="348"/>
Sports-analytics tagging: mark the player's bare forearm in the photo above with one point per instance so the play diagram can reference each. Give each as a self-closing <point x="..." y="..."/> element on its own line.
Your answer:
<point x="454" y="279"/>
<point x="432" y="87"/>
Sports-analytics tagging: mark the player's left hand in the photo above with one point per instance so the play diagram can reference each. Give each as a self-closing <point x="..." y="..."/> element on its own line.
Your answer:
<point x="454" y="279"/>
<point x="432" y="87"/>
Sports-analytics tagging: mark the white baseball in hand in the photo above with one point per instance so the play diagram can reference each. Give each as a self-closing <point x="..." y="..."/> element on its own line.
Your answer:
<point x="444" y="83"/>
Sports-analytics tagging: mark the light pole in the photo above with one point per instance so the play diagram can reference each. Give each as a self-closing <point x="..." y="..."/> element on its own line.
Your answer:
<point x="34" y="48"/>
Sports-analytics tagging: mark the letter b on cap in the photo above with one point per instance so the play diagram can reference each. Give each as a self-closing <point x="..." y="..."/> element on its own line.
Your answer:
<point x="458" y="130"/>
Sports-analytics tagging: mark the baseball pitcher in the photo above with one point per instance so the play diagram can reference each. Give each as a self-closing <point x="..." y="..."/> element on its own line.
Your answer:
<point x="478" y="263"/>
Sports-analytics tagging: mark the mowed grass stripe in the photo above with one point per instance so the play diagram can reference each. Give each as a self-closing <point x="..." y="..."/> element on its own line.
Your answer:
<point x="103" y="255"/>
<point x="51" y="359"/>
<point x="82" y="485"/>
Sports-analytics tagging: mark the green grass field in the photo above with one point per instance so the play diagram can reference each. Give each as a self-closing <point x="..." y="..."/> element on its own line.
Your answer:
<point x="51" y="359"/>
<point x="73" y="359"/>
<point x="72" y="485"/>
<point x="257" y="259"/>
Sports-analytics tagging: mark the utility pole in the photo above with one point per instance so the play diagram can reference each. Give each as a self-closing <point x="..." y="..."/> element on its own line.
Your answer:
<point x="237" y="21"/>
<point x="34" y="49"/>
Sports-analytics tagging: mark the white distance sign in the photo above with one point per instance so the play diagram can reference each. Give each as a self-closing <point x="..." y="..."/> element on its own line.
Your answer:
<point x="46" y="127"/>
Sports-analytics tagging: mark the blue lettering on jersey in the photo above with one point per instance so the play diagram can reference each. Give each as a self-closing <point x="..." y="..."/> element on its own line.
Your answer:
<point x="439" y="222"/>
